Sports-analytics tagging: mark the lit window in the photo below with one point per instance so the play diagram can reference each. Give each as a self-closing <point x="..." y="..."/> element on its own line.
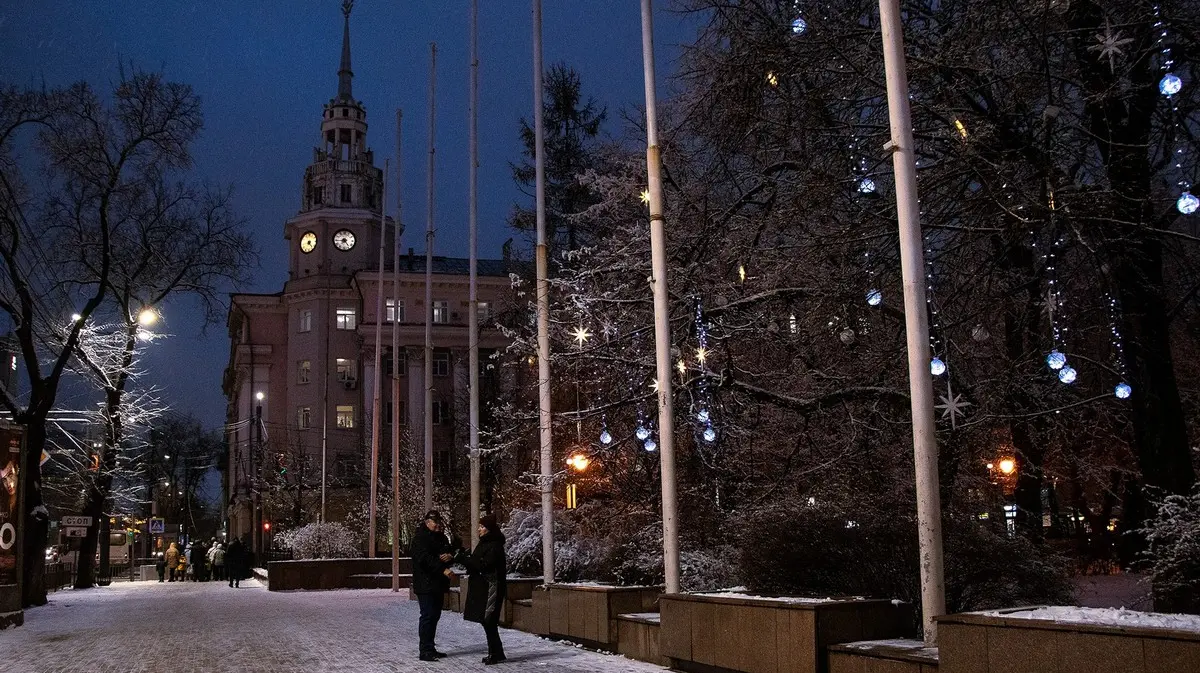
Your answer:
<point x="345" y="416"/>
<point x="346" y="318"/>
<point x="441" y="311"/>
<point x="484" y="311"/>
<point x="303" y="371"/>
<point x="394" y="311"/>
<point x="346" y="370"/>
<point x="304" y="417"/>
<point x="441" y="364"/>
<point x="306" y="321"/>
<point x="441" y="415"/>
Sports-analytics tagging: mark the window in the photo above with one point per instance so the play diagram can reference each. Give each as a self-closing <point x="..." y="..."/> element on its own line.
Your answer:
<point x="345" y="416"/>
<point x="441" y="414"/>
<point x="346" y="370"/>
<point x="306" y="321"/>
<point x="345" y="112"/>
<point x="441" y="364"/>
<point x="318" y="195"/>
<point x="303" y="371"/>
<point x="346" y="318"/>
<point x="441" y="311"/>
<point x="394" y="311"/>
<point x="345" y="193"/>
<point x="442" y="461"/>
<point x="304" y="417"/>
<point x="401" y="364"/>
<point x="484" y="311"/>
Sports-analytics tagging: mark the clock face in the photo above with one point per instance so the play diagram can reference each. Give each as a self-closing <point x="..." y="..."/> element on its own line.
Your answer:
<point x="343" y="239"/>
<point x="308" y="242"/>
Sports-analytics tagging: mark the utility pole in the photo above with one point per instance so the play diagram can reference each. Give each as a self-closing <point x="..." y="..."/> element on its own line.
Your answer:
<point x="473" y="317"/>
<point x="543" y="306"/>
<point x="377" y="383"/>
<point x="255" y="504"/>
<point x="912" y="264"/>
<point x="429" y="291"/>
<point x="396" y="365"/>
<point x="662" y="311"/>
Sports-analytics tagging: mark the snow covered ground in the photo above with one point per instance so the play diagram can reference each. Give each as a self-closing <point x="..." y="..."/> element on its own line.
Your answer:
<point x="155" y="628"/>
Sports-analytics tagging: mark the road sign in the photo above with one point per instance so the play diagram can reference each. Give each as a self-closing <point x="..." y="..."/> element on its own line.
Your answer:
<point x="76" y="521"/>
<point x="75" y="531"/>
<point x="45" y="457"/>
<point x="157" y="526"/>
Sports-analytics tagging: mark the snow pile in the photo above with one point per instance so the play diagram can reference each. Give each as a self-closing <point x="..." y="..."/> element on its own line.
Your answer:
<point x="791" y="600"/>
<point x="320" y="541"/>
<point x="1104" y="617"/>
<point x="913" y="647"/>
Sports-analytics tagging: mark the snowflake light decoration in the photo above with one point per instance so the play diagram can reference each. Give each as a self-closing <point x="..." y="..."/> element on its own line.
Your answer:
<point x="1110" y="45"/>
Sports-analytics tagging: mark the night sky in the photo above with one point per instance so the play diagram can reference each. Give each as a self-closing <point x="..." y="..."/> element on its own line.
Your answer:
<point x="264" y="69"/>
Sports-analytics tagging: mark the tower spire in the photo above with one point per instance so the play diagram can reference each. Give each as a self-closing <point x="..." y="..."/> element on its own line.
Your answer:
<point x="344" y="72"/>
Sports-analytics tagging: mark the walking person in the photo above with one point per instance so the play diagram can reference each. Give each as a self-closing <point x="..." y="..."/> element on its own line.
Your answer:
<point x="199" y="562"/>
<point x="172" y="559"/>
<point x="235" y="558"/>
<point x="431" y="559"/>
<point x="160" y="564"/>
<point x="487" y="586"/>
<point x="216" y="557"/>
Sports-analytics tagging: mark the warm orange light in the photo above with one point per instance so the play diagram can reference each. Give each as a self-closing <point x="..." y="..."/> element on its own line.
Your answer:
<point x="266" y="525"/>
<point x="579" y="462"/>
<point x="1008" y="465"/>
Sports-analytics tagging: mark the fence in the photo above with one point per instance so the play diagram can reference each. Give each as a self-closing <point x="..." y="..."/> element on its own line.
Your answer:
<point x="58" y="575"/>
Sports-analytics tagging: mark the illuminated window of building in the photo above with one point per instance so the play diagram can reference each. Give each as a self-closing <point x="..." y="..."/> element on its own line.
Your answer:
<point x="345" y="416"/>
<point x="303" y="371"/>
<point x="346" y="318"/>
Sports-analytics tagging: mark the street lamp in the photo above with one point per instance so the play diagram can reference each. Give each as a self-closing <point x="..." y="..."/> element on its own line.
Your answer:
<point x="578" y="462"/>
<point x="147" y="317"/>
<point x="260" y="396"/>
<point x="1008" y="465"/>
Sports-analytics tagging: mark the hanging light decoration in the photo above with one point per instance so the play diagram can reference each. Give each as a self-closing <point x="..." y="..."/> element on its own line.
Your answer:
<point x="1187" y="204"/>
<point x="1056" y="360"/>
<point x="642" y="432"/>
<point x="650" y="444"/>
<point x="874" y="297"/>
<point x="1170" y="85"/>
<point x="702" y="416"/>
<point x="605" y="437"/>
<point x="1123" y="390"/>
<point x="866" y="186"/>
<point x="799" y="25"/>
<point x="1067" y="374"/>
<point x="710" y="435"/>
<point x="937" y="367"/>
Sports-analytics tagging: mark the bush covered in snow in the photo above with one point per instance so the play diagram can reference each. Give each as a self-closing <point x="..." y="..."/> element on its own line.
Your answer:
<point x="1173" y="536"/>
<point x="321" y="540"/>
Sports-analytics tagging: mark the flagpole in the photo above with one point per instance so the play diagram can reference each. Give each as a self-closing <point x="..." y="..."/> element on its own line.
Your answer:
<point x="662" y="311"/>
<point x="377" y="384"/>
<point x="912" y="265"/>
<point x="429" y="291"/>
<point x="398" y="228"/>
<point x="473" y="315"/>
<point x="543" y="307"/>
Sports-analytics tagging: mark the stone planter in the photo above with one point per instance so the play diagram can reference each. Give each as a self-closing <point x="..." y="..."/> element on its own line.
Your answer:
<point x="883" y="656"/>
<point x="532" y="615"/>
<point x="1067" y="640"/>
<point x="637" y="637"/>
<point x="587" y="613"/>
<point x="327" y="574"/>
<point x="726" y="632"/>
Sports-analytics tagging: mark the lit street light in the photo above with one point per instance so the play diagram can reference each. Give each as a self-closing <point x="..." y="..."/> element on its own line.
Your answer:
<point x="147" y="317"/>
<point x="579" y="462"/>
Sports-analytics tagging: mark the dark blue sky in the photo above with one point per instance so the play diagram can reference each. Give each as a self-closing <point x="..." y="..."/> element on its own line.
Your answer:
<point x="263" y="70"/>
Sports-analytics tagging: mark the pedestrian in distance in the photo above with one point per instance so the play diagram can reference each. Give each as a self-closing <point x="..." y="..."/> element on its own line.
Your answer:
<point x="171" y="557"/>
<point x="187" y="562"/>
<point x="160" y="564"/>
<point x="216" y="557"/>
<point x="199" y="562"/>
<point x="431" y="558"/>
<point x="235" y="557"/>
<point x="487" y="585"/>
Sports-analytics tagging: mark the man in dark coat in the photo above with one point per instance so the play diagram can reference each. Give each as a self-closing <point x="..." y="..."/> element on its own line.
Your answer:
<point x="235" y="562"/>
<point x="431" y="559"/>
<point x="487" y="587"/>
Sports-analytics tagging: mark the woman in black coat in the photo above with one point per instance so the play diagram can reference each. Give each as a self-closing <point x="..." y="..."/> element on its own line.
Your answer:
<point x="486" y="587"/>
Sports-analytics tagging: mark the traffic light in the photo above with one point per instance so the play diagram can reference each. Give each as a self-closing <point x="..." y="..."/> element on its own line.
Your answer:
<point x="266" y="525"/>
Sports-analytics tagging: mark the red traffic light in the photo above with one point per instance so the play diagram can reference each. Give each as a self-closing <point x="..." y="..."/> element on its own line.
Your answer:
<point x="266" y="525"/>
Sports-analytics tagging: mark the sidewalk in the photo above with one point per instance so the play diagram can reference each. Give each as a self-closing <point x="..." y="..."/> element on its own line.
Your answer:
<point x="173" y="628"/>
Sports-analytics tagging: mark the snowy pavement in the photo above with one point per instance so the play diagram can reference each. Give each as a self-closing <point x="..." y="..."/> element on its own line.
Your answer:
<point x="148" y="627"/>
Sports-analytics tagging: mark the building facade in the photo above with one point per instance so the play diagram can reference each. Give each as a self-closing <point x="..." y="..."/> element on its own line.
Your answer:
<point x="300" y="377"/>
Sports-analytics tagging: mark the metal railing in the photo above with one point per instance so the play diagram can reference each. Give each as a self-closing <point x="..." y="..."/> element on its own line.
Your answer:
<point x="58" y="575"/>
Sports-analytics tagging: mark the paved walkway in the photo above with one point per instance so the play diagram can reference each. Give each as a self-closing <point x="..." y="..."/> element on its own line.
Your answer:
<point x="173" y="628"/>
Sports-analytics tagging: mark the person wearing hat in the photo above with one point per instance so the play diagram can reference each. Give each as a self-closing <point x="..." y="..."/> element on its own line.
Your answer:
<point x="487" y="585"/>
<point x="431" y="559"/>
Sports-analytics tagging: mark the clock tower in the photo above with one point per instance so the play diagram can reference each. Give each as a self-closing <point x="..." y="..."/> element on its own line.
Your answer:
<point x="336" y="232"/>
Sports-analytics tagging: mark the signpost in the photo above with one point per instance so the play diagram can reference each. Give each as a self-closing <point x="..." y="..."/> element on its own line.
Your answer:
<point x="75" y="531"/>
<point x="157" y="526"/>
<point x="76" y="521"/>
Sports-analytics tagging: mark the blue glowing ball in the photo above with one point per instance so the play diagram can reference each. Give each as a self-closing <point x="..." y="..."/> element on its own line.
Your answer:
<point x="937" y="367"/>
<point x="1187" y="204"/>
<point x="650" y="445"/>
<point x="874" y="298"/>
<point x="1067" y="375"/>
<point x="710" y="435"/>
<point x="799" y="25"/>
<point x="866" y="186"/>
<point x="702" y="415"/>
<point x="1056" y="360"/>
<point x="605" y="437"/>
<point x="1123" y="390"/>
<point x="1169" y="85"/>
<point x="642" y="432"/>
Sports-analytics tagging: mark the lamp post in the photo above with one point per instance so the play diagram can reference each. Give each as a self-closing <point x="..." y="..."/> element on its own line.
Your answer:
<point x="255" y="505"/>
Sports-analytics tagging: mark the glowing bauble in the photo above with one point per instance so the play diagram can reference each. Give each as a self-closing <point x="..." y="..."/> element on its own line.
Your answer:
<point x="1067" y="375"/>
<point x="642" y="432"/>
<point x="1056" y="360"/>
<point x="799" y="26"/>
<point x="874" y="298"/>
<point x="710" y="435"/>
<point x="1187" y="204"/>
<point x="937" y="367"/>
<point x="1123" y="390"/>
<point x="650" y="445"/>
<point x="847" y="336"/>
<point x="1170" y="85"/>
<point x="702" y="415"/>
<point x="605" y="437"/>
<point x="866" y="186"/>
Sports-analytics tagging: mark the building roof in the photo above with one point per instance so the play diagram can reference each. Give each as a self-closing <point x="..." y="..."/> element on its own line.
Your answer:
<point x="455" y="266"/>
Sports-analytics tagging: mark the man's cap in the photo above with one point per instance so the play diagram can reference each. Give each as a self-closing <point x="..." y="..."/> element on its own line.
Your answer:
<point x="433" y="514"/>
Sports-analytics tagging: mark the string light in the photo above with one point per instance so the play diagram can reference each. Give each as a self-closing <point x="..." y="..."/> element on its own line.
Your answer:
<point x="1122" y="390"/>
<point x="1169" y="86"/>
<point x="937" y="365"/>
<point x="1055" y="360"/>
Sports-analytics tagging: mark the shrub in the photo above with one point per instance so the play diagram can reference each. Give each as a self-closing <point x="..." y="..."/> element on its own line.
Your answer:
<point x="321" y="540"/>
<point x="1173" y="556"/>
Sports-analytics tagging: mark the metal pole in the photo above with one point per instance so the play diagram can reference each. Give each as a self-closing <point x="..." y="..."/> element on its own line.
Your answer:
<point x="543" y="306"/>
<point x="377" y="387"/>
<point x="662" y="312"/>
<point x="255" y="505"/>
<point x="473" y="317"/>
<point x="396" y="371"/>
<point x="324" y="404"/>
<point x="429" y="292"/>
<point x="912" y="262"/>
